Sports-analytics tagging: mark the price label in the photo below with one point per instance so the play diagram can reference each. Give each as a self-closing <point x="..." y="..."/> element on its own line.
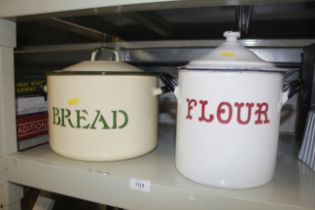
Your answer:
<point x="140" y="185"/>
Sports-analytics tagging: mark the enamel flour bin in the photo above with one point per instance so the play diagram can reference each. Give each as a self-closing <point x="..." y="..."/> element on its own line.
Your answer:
<point x="228" y="117"/>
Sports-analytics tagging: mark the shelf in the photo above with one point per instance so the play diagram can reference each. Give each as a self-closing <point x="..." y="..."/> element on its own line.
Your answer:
<point x="293" y="186"/>
<point x="44" y="9"/>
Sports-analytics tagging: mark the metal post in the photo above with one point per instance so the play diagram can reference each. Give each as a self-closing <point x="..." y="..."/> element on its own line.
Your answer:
<point x="10" y="194"/>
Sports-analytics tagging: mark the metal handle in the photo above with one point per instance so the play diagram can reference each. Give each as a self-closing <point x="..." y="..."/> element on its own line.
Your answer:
<point x="169" y="81"/>
<point x="170" y="84"/>
<point x="114" y="51"/>
<point x="290" y="89"/>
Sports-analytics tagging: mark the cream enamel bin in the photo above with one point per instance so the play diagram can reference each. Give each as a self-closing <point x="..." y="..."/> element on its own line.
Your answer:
<point x="102" y="110"/>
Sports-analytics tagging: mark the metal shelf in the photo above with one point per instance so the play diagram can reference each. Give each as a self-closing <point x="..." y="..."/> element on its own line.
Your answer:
<point x="46" y="8"/>
<point x="293" y="186"/>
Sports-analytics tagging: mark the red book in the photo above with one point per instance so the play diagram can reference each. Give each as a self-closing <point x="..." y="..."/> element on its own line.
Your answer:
<point x="32" y="125"/>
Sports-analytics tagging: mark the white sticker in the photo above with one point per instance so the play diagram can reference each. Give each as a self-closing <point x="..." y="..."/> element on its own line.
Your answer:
<point x="140" y="185"/>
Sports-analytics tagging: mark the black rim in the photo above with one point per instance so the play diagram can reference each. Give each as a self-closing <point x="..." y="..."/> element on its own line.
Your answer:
<point x="104" y="73"/>
<point x="234" y="70"/>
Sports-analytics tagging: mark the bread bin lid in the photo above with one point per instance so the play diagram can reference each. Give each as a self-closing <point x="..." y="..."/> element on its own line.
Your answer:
<point x="100" y="66"/>
<point x="231" y="55"/>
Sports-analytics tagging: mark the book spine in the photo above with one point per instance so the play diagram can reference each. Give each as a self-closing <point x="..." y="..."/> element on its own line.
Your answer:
<point x="29" y="126"/>
<point x="30" y="105"/>
<point x="30" y="87"/>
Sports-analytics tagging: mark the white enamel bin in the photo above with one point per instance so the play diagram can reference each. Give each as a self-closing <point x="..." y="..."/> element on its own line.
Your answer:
<point x="228" y="117"/>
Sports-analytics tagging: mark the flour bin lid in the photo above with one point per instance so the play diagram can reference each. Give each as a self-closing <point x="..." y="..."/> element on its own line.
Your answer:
<point x="231" y="55"/>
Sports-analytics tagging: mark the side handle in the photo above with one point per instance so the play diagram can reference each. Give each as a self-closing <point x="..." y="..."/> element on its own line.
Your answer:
<point x="290" y="89"/>
<point x="170" y="82"/>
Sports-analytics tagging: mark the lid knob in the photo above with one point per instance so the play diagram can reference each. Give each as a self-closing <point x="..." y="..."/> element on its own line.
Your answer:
<point x="231" y="35"/>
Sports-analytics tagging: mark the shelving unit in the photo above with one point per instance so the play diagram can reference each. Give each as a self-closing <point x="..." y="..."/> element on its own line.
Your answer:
<point x="111" y="182"/>
<point x="150" y="181"/>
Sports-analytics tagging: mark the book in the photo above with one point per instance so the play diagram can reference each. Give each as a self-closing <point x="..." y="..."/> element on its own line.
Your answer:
<point x="31" y="111"/>
<point x="30" y="86"/>
<point x="32" y="142"/>
<point x="30" y="105"/>
<point x="29" y="126"/>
